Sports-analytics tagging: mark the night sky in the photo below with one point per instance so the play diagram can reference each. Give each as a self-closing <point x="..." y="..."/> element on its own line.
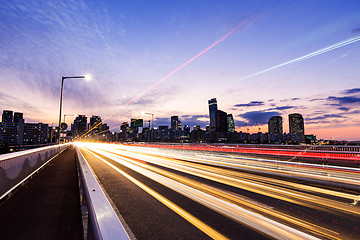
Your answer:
<point x="128" y="46"/>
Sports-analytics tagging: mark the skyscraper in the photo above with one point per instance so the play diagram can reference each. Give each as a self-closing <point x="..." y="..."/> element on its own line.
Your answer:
<point x="79" y="126"/>
<point x="221" y="121"/>
<point x="7" y="116"/>
<point x="94" y="120"/>
<point x="275" y="125"/>
<point x="18" y="117"/>
<point x="175" y="123"/>
<point x="230" y="123"/>
<point x="187" y="130"/>
<point x="296" y="124"/>
<point x="212" y="113"/>
<point x="124" y="131"/>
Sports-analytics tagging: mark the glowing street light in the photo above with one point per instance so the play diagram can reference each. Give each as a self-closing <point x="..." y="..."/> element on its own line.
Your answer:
<point x="86" y="77"/>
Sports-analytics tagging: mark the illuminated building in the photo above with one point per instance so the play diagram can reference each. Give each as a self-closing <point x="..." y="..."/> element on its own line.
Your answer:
<point x="187" y="130"/>
<point x="174" y="122"/>
<point x="79" y="126"/>
<point x="12" y="128"/>
<point x="275" y="125"/>
<point x="212" y="113"/>
<point x="18" y="117"/>
<point x="35" y="133"/>
<point x="296" y="124"/>
<point x="296" y="127"/>
<point x="230" y="123"/>
<point x="124" y="131"/>
<point x="19" y="133"/>
<point x="7" y="116"/>
<point x="11" y="133"/>
<point x="94" y="120"/>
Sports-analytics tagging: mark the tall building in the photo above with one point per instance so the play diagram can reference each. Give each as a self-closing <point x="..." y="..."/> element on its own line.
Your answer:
<point x="221" y="121"/>
<point x="175" y="123"/>
<point x="7" y="116"/>
<point x="11" y="133"/>
<point x="79" y="126"/>
<point x="174" y="120"/>
<point x="275" y="125"/>
<point x="94" y="120"/>
<point x="18" y="117"/>
<point x="212" y="113"/>
<point x="296" y="124"/>
<point x="163" y="133"/>
<point x="35" y="133"/>
<point x="13" y="130"/>
<point x="230" y="123"/>
<point x="124" y="130"/>
<point x="187" y="130"/>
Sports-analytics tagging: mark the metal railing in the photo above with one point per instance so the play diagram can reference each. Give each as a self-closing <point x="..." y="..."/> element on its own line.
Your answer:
<point x="104" y="221"/>
<point x="17" y="167"/>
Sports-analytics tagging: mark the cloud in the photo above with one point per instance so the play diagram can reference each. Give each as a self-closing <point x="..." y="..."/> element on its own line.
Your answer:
<point x="356" y="30"/>
<point x="240" y="123"/>
<point x="290" y="99"/>
<point x="343" y="108"/>
<point x="162" y="122"/>
<point x="351" y="91"/>
<point x="198" y="119"/>
<point x="344" y="100"/>
<point x="325" y="117"/>
<point x="316" y="99"/>
<point x="333" y="104"/>
<point x="260" y="117"/>
<point x="281" y="108"/>
<point x="250" y="104"/>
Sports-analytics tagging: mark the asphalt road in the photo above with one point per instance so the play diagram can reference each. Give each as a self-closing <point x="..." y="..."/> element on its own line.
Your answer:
<point x="209" y="196"/>
<point x="47" y="206"/>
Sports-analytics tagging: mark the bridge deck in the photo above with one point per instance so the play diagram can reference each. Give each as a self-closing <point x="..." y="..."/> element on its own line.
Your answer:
<point x="48" y="206"/>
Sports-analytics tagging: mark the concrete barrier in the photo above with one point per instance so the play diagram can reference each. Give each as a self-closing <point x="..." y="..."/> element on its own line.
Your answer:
<point x="17" y="167"/>
<point x="104" y="222"/>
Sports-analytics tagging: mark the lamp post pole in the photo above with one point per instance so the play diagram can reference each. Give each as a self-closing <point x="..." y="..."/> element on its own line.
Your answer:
<point x="152" y="126"/>
<point x="61" y="97"/>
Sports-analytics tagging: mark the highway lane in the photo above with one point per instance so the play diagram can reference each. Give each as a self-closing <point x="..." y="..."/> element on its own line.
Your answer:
<point x="279" y="208"/>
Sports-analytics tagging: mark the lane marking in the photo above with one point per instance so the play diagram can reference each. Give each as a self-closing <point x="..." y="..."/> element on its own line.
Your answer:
<point x="183" y="213"/>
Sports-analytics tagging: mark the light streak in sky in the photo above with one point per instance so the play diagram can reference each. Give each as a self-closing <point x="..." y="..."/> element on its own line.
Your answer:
<point x="180" y="67"/>
<point x="307" y="56"/>
<point x="192" y="59"/>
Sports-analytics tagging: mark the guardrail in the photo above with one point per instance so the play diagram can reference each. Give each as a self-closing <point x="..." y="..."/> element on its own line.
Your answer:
<point x="104" y="222"/>
<point x="17" y="167"/>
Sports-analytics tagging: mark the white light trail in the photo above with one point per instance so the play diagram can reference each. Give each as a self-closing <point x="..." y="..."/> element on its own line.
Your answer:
<point x="255" y="220"/>
<point x="307" y="56"/>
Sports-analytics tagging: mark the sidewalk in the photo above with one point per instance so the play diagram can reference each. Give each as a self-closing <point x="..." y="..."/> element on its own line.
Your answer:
<point x="47" y="206"/>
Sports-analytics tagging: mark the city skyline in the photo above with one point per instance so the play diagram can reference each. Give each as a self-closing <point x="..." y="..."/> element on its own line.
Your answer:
<point x="127" y="47"/>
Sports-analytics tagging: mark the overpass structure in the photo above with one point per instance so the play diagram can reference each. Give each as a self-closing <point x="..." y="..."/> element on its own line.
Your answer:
<point x="116" y="191"/>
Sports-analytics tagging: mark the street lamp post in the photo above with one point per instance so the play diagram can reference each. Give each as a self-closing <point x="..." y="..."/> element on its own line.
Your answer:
<point x="61" y="97"/>
<point x="152" y="125"/>
<point x="73" y="115"/>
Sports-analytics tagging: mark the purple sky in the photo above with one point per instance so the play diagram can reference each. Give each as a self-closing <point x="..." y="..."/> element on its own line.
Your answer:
<point x="129" y="45"/>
